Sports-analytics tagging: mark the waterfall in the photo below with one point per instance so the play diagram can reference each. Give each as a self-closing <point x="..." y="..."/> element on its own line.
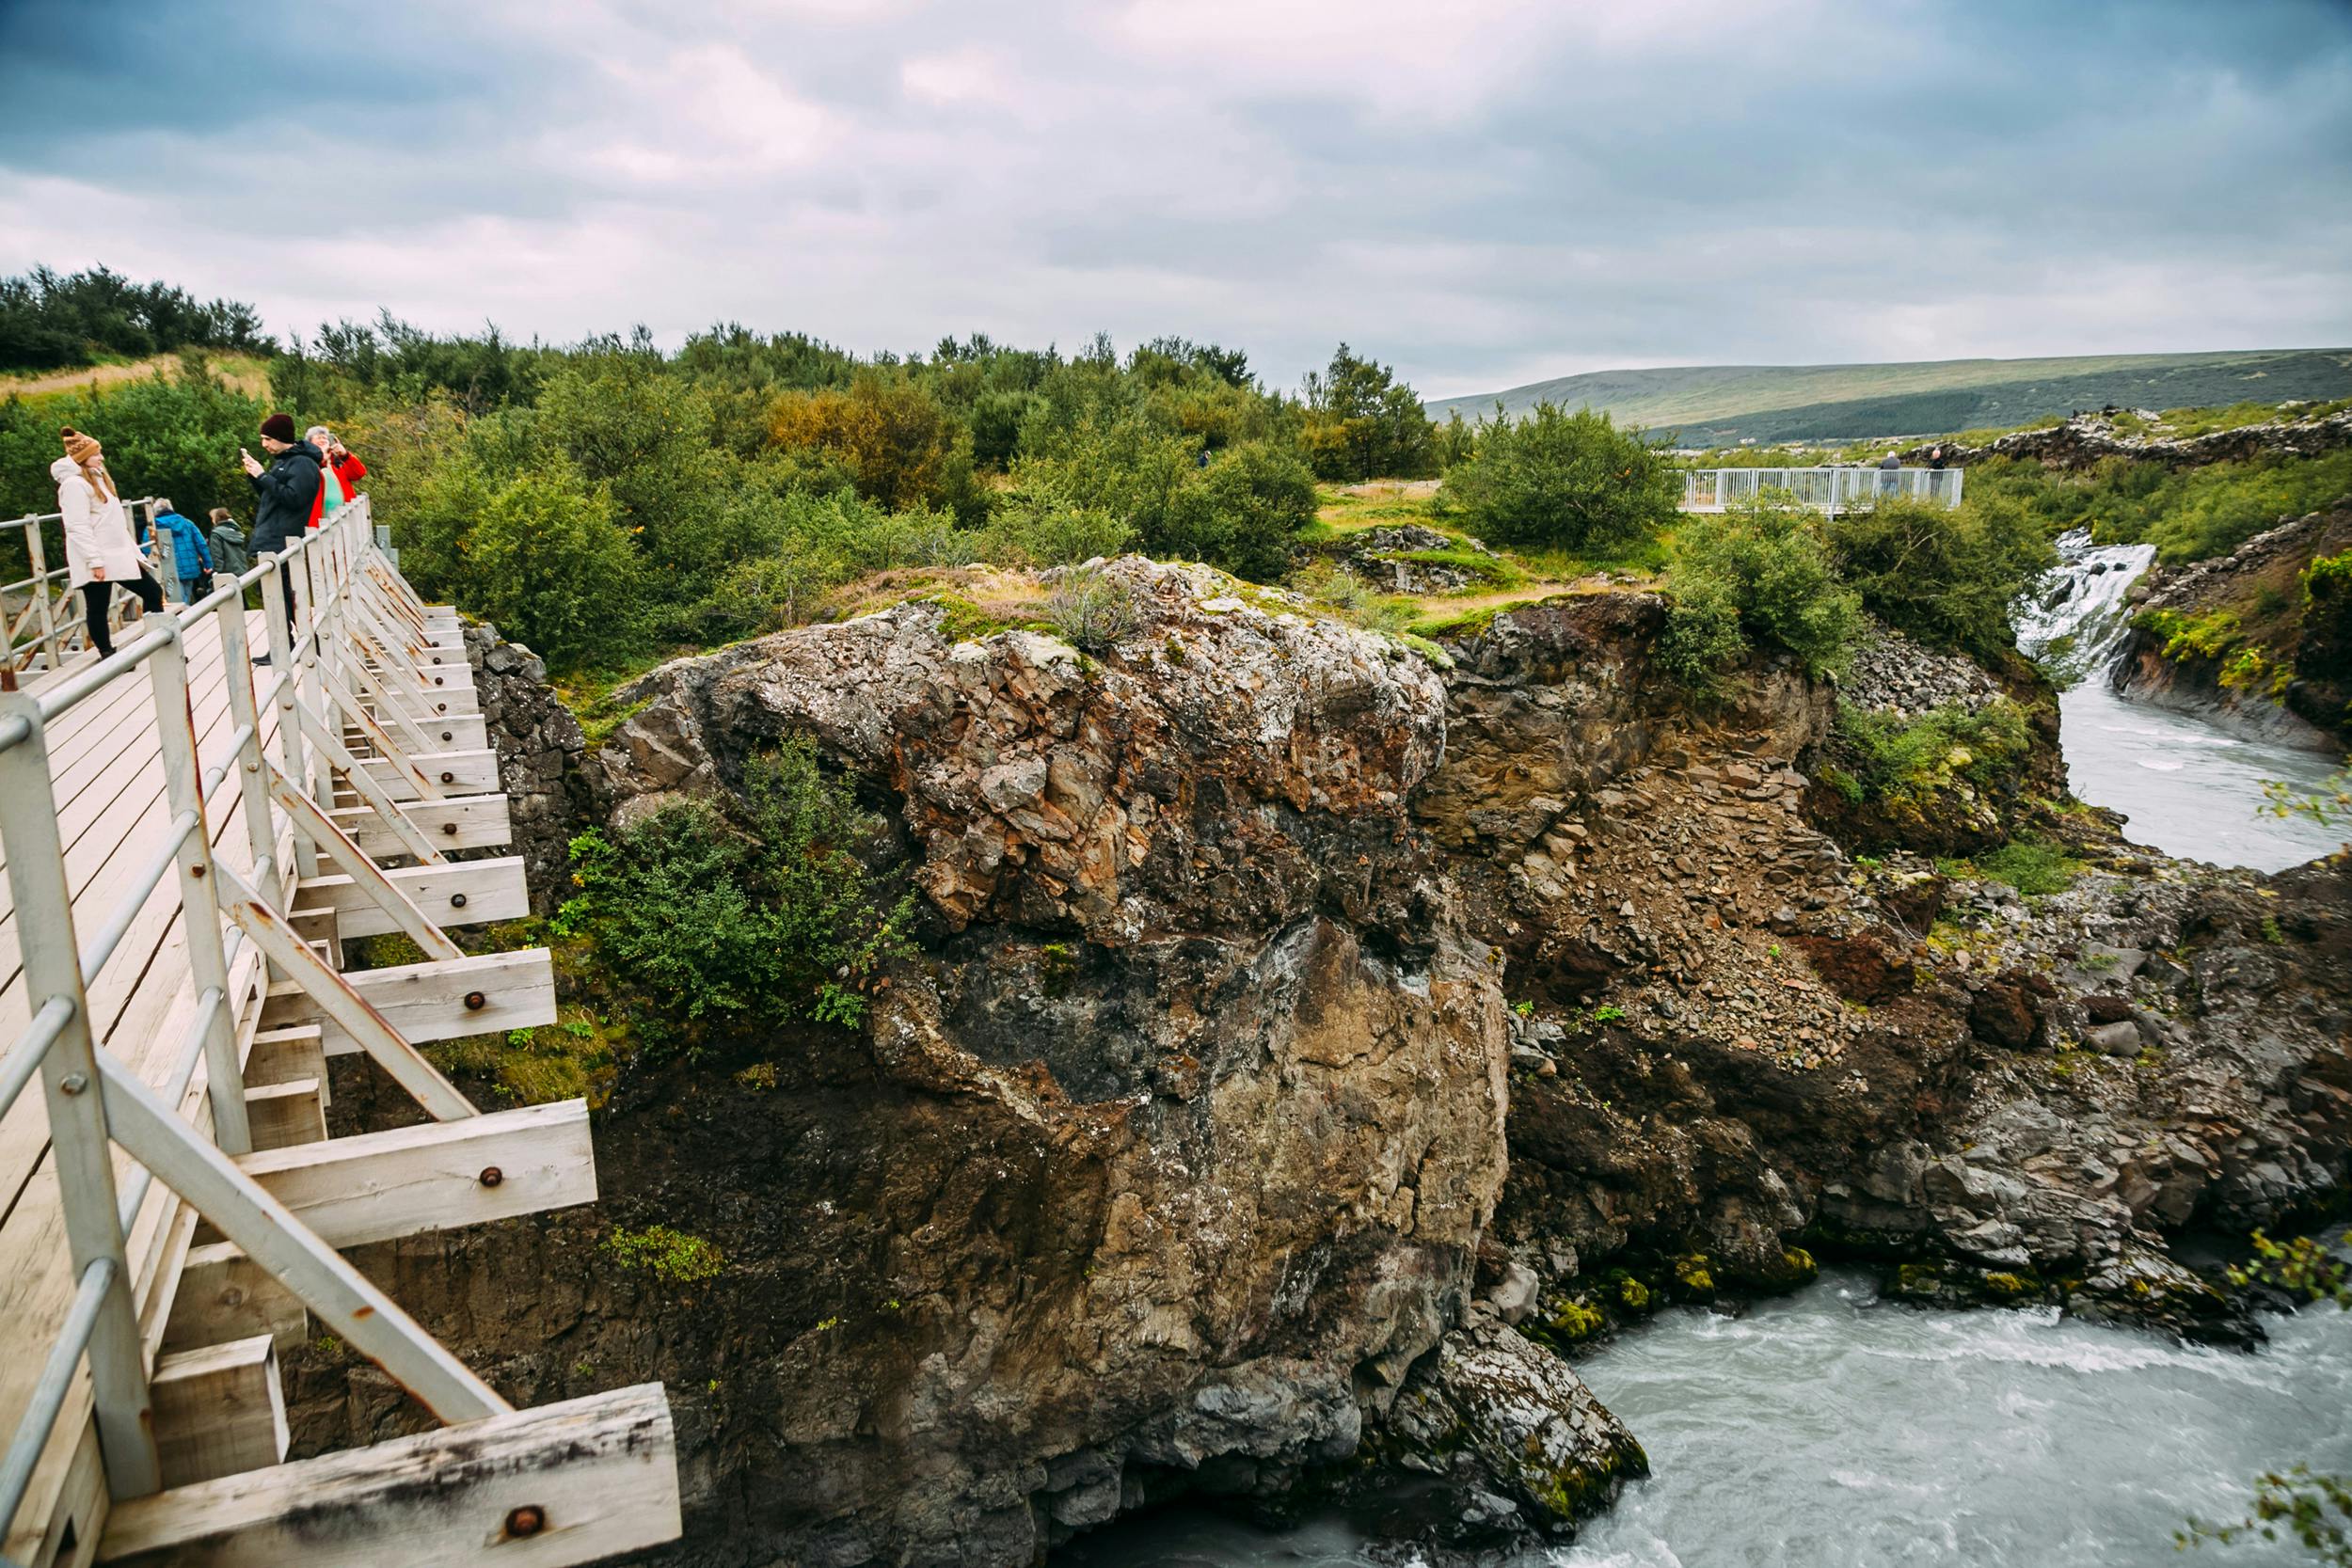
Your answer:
<point x="2073" y="621"/>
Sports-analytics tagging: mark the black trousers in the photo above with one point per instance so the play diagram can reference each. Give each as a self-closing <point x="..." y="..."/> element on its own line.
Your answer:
<point x="96" y="596"/>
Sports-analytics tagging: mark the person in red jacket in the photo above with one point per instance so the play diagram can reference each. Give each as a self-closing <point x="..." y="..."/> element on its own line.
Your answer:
<point x="345" y="469"/>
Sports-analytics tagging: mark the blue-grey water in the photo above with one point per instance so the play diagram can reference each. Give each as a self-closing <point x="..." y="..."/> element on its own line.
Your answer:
<point x="1831" y="1429"/>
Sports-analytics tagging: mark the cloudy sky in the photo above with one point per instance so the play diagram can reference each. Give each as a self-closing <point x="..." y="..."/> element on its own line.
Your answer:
<point x="1482" y="192"/>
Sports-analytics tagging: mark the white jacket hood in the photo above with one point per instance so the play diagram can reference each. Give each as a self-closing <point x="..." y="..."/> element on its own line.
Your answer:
<point x="65" y="468"/>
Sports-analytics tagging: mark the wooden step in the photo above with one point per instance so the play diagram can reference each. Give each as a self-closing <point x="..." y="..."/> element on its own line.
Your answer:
<point x="218" y="1411"/>
<point x="284" y="1115"/>
<point x="225" y="1295"/>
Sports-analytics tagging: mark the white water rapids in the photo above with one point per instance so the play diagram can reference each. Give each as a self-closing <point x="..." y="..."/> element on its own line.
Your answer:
<point x="2188" y="787"/>
<point x="1833" y="1430"/>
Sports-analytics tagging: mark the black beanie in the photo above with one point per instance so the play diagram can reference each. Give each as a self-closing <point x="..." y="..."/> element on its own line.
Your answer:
<point x="279" y="427"/>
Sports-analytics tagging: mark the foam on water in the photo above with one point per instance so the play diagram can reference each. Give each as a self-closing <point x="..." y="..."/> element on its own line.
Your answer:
<point x="1831" y="1429"/>
<point x="2189" y="788"/>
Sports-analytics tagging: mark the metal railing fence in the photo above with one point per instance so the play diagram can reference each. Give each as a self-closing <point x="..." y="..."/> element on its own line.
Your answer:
<point x="1829" y="489"/>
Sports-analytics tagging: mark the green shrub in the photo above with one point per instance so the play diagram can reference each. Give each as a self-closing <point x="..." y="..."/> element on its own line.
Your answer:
<point x="547" y="560"/>
<point x="1565" y="481"/>
<point x="1762" y="571"/>
<point x="1242" y="511"/>
<point x="763" y="915"/>
<point x="1035" y="527"/>
<point x="1947" y="577"/>
<point x="1906" y="760"/>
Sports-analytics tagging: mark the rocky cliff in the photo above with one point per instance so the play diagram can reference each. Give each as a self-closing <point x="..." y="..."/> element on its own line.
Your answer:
<point x="1308" y="1040"/>
<point x="2089" y="438"/>
<point x="1742" y="1045"/>
<point x="2243" y="640"/>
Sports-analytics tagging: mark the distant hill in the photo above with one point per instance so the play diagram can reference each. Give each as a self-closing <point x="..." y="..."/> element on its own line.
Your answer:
<point x="1723" y="405"/>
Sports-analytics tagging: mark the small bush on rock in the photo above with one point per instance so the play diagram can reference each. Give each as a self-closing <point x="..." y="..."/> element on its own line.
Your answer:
<point x="1905" y="759"/>
<point x="764" y="914"/>
<point x="1761" y="572"/>
<point x="1092" y="612"/>
<point x="671" y="1256"/>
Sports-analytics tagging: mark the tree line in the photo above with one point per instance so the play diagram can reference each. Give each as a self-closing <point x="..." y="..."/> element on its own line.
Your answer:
<point x="54" y="320"/>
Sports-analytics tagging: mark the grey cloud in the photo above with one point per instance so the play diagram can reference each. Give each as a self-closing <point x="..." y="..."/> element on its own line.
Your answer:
<point x="1482" y="194"/>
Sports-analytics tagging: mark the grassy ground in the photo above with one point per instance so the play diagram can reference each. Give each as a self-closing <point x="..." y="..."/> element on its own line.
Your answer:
<point x="1506" y="577"/>
<point x="245" y="372"/>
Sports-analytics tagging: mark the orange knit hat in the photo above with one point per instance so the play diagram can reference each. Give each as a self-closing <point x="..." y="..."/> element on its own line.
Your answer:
<point x="84" y="450"/>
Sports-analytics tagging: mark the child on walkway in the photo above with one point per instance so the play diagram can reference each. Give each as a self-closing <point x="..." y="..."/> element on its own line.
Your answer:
<point x="180" y="548"/>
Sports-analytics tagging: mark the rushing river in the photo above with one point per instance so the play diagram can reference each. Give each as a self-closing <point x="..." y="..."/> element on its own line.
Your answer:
<point x="1830" y="1430"/>
<point x="2190" y="787"/>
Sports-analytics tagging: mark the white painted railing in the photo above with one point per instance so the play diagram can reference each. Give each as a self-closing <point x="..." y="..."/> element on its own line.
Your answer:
<point x="1831" y="490"/>
<point x="40" y="615"/>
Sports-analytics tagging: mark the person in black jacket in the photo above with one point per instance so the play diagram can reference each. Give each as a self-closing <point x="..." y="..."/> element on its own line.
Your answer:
<point x="283" y="491"/>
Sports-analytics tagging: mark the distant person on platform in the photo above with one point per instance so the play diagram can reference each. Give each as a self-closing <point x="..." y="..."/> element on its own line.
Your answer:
<point x="191" y="558"/>
<point x="100" y="551"/>
<point x="228" y="542"/>
<point x="339" y="480"/>
<point x="285" y="490"/>
<point x="1935" y="458"/>
<point x="1889" y="467"/>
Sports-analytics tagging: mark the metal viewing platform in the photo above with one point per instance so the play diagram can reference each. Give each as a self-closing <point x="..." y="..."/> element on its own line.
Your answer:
<point x="186" y="848"/>
<point x="1831" y="490"/>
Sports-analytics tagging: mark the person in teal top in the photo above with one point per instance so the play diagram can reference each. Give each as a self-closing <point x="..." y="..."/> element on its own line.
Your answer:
<point x="180" y="552"/>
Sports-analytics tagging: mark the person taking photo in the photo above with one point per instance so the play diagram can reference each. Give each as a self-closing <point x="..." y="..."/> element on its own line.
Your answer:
<point x="284" y="490"/>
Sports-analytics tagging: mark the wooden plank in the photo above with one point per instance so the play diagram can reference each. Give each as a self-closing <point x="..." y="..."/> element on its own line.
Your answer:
<point x="218" y="1410"/>
<point x="319" y="927"/>
<point x="283" y="1115"/>
<point x="286" y="1056"/>
<point x="455" y="822"/>
<point x="425" y="707"/>
<point x="397" y="1056"/>
<point x="457" y="772"/>
<point x="353" y="1305"/>
<point x="565" y="1484"/>
<point x="433" y="1176"/>
<point x="226" y="1295"/>
<point x="458" y="892"/>
<point x="458" y="732"/>
<point x="427" y="1001"/>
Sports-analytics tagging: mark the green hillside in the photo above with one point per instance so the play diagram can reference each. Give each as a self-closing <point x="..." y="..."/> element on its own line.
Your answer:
<point x="1721" y="405"/>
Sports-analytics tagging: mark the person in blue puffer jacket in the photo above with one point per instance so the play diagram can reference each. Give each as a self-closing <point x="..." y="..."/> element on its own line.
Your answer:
<point x="190" y="561"/>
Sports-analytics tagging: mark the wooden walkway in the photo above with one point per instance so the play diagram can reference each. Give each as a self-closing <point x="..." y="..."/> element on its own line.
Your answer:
<point x="327" y="801"/>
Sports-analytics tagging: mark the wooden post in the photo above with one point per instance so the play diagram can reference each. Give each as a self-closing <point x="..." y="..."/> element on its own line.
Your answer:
<point x="199" y="913"/>
<point x="369" y="1321"/>
<point x="78" y="1117"/>
<point x="220" y="1411"/>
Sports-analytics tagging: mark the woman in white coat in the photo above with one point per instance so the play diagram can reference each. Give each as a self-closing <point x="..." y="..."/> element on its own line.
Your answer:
<point x="100" y="554"/>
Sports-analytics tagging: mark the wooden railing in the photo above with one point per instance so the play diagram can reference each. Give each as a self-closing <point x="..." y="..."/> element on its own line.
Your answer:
<point x="223" y="896"/>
